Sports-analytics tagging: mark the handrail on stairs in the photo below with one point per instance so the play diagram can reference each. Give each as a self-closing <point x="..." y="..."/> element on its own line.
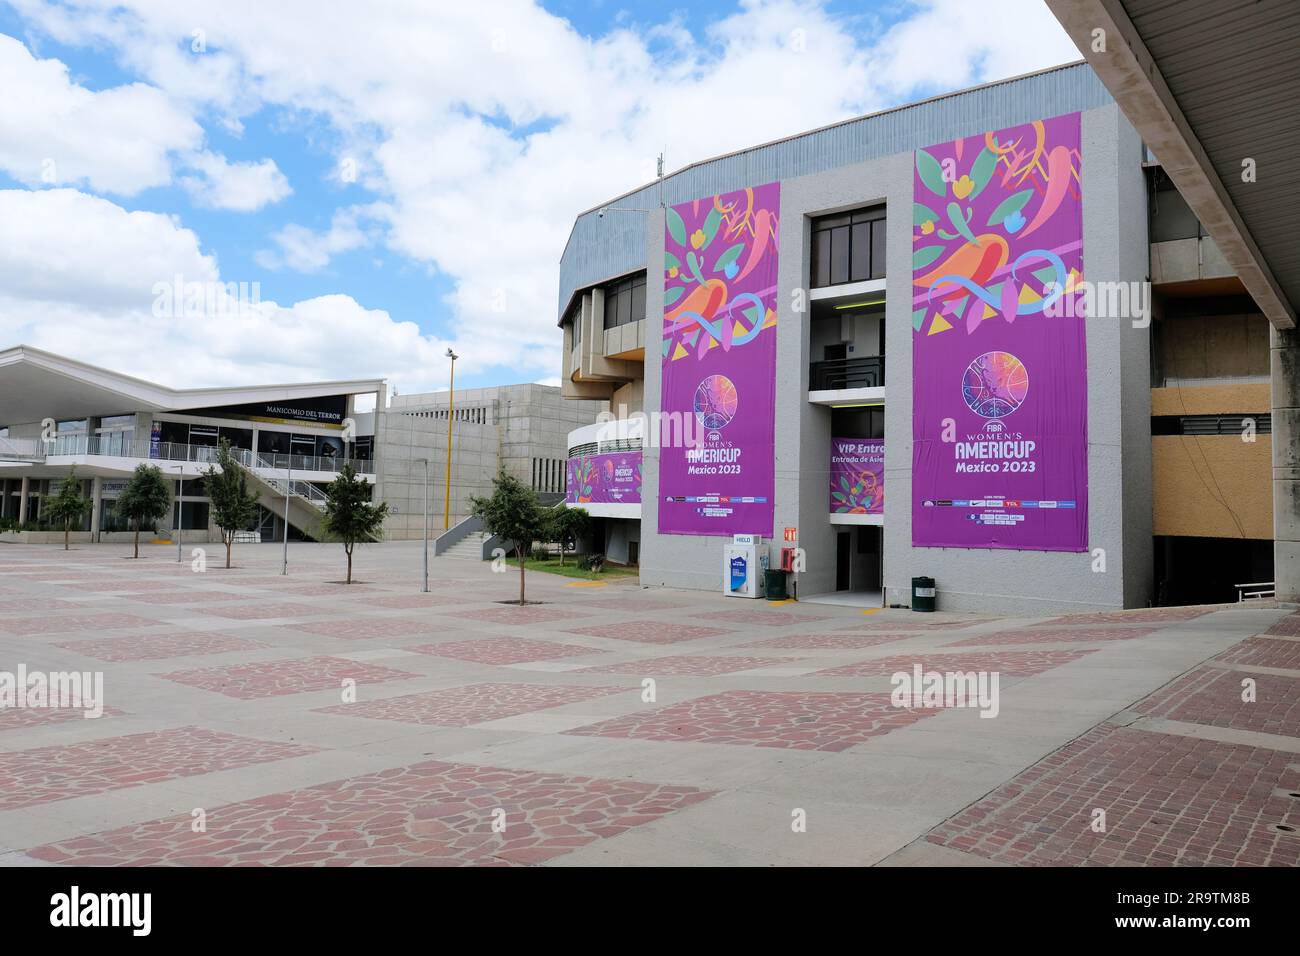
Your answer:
<point x="456" y="533"/>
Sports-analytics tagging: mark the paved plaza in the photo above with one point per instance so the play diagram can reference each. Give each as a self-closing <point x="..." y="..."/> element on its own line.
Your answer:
<point x="255" y="718"/>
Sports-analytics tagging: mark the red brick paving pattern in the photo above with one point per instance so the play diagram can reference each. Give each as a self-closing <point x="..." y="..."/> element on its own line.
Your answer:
<point x="24" y="718"/>
<point x="256" y="611"/>
<point x="33" y="604"/>
<point x="1264" y="652"/>
<point x="45" y="774"/>
<point x="183" y="597"/>
<point x="156" y="647"/>
<point x="366" y="628"/>
<point x="687" y="666"/>
<point x="414" y="600"/>
<point x="650" y="632"/>
<point x="471" y="704"/>
<point x="829" y="641"/>
<point x="1056" y="635"/>
<point x="519" y="615"/>
<point x="760" y="616"/>
<point x="1011" y="663"/>
<point x="63" y="623"/>
<point x="1288" y="626"/>
<point x="504" y="650"/>
<point x="277" y="678"/>
<point x="1169" y="801"/>
<point x="791" y="720"/>
<point x="1150" y="615"/>
<point x="431" y="813"/>
<point x="910" y="625"/>
<point x="632" y="604"/>
<point x="1211" y="696"/>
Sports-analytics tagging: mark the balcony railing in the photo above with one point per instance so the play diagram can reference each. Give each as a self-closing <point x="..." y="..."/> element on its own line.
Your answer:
<point x="115" y="447"/>
<point x="868" y="372"/>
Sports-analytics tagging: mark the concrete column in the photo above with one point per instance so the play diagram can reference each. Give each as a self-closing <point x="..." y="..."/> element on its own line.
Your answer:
<point x="1284" y="362"/>
<point x="22" y="499"/>
<point x="96" y="505"/>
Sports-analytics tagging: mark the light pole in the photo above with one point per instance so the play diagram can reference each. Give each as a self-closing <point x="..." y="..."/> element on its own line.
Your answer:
<point x="451" y="399"/>
<point x="180" y="510"/>
<point x="425" y="462"/>
<point x="288" y="482"/>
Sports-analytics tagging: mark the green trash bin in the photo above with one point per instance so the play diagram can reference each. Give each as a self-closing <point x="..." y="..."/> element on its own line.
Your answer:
<point x="774" y="584"/>
<point x="922" y="594"/>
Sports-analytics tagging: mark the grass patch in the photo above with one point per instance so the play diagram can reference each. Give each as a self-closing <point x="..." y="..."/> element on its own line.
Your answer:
<point x="570" y="569"/>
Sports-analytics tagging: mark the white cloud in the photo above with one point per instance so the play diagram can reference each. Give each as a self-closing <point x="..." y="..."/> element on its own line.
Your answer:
<point x="218" y="183"/>
<point x="64" y="289"/>
<point x="54" y="132"/>
<point x="480" y="130"/>
<point x="300" y="249"/>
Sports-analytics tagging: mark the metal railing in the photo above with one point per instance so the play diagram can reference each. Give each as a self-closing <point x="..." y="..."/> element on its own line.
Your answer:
<point x="1256" y="591"/>
<point x="302" y="489"/>
<point x="868" y="372"/>
<point x="111" y="446"/>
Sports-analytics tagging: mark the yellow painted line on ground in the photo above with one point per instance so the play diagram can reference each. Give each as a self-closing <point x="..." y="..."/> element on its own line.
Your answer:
<point x="586" y="584"/>
<point x="778" y="603"/>
<point x="873" y="610"/>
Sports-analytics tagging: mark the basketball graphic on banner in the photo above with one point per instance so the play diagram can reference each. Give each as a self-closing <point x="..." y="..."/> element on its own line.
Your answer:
<point x="995" y="384"/>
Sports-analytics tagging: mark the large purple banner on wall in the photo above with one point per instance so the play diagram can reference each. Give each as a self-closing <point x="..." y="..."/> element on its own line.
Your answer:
<point x="999" y="368"/>
<point x="613" y="478"/>
<point x="857" y="476"/>
<point x="717" y="469"/>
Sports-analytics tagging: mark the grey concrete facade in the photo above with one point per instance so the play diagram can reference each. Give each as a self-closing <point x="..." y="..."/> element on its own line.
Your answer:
<point x="1117" y="570"/>
<point x="1284" y="358"/>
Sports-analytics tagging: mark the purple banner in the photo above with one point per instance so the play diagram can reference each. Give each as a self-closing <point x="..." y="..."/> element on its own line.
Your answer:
<point x="999" y="366"/>
<point x="613" y="478"/>
<point x="857" y="476"/>
<point x="717" y="464"/>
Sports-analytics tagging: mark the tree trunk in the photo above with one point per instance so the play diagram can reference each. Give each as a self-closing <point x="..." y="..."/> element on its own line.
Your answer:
<point x="230" y="539"/>
<point x="521" y="577"/>
<point x="561" y="554"/>
<point x="67" y="526"/>
<point x="137" y="540"/>
<point x="349" y="581"/>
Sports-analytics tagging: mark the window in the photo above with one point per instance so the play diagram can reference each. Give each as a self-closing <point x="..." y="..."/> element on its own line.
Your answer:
<point x="625" y="301"/>
<point x="848" y="247"/>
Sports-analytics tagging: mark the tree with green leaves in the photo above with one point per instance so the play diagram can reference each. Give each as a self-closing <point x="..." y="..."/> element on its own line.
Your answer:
<point x="233" y="506"/>
<point x="512" y="512"/>
<point x="146" y="497"/>
<point x="350" y="516"/>
<point x="564" y="523"/>
<point x="68" y="505"/>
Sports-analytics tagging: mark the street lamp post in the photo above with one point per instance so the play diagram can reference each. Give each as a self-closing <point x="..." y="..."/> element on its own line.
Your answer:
<point x="451" y="399"/>
<point x="180" y="510"/>
<point x="288" y="483"/>
<point x="425" y="462"/>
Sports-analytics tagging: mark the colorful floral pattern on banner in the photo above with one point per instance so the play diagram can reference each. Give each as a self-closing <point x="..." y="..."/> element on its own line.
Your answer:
<point x="999" y="364"/>
<point x="604" y="479"/>
<point x="857" y="476"/>
<point x="719" y="364"/>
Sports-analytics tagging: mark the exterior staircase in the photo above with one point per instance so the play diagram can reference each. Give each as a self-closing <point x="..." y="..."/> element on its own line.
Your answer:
<point x="468" y="548"/>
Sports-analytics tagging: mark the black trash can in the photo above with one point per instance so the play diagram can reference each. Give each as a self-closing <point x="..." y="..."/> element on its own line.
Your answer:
<point x="922" y="594"/>
<point x="774" y="584"/>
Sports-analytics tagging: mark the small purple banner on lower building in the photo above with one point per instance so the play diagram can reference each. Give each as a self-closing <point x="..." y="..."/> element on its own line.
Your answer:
<point x="613" y="478"/>
<point x="717" y="468"/>
<point x="857" y="476"/>
<point x="999" y="364"/>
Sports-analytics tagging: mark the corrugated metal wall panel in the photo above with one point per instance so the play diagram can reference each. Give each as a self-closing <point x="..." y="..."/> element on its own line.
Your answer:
<point x="601" y="248"/>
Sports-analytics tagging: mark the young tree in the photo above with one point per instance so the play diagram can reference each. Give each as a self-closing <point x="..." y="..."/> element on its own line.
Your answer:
<point x="232" y="504"/>
<point x="68" y="505"/>
<point x="564" y="523"/>
<point x="513" y="513"/>
<point x="349" y="514"/>
<point x="146" y="497"/>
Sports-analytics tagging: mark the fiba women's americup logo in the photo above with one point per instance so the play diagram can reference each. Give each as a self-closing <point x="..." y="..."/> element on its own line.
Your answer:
<point x="716" y="401"/>
<point x="995" y="384"/>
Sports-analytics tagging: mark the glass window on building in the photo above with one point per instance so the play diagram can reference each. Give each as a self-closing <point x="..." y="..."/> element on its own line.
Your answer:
<point x="194" y="515"/>
<point x="625" y="301"/>
<point x="848" y="247"/>
<point x="116" y="435"/>
<point x="238" y="437"/>
<point x="272" y="442"/>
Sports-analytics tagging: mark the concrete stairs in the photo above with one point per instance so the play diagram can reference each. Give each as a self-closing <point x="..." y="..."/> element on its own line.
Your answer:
<point x="468" y="548"/>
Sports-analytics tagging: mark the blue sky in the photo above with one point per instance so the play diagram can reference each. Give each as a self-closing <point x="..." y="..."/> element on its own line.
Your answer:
<point x="477" y="135"/>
